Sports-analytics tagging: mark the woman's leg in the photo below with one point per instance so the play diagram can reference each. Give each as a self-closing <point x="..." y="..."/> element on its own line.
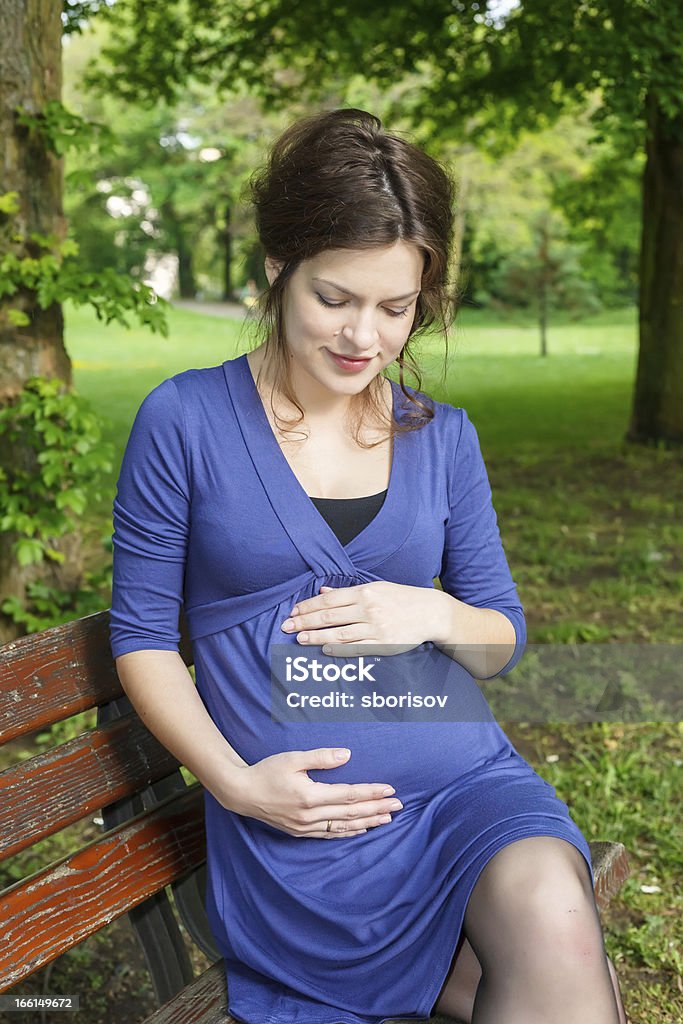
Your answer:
<point x="533" y="925"/>
<point x="458" y="994"/>
<point x="456" y="999"/>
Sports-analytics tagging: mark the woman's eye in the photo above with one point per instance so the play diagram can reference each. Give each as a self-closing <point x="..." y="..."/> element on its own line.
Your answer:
<point x="338" y="305"/>
<point x="326" y="302"/>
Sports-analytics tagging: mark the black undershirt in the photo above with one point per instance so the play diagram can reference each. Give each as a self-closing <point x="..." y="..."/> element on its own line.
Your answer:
<point x="348" y="516"/>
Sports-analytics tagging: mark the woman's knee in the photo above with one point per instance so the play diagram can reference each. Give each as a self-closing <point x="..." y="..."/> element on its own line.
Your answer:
<point x="535" y="891"/>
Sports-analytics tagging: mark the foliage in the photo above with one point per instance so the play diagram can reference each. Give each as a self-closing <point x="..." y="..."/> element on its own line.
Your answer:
<point x="62" y="129"/>
<point x="45" y="606"/>
<point x="47" y="267"/>
<point x="284" y="62"/>
<point x="546" y="179"/>
<point x="602" y="209"/>
<point x="52" y="465"/>
<point x="172" y="181"/>
<point x="532" y="61"/>
<point x="544" y="276"/>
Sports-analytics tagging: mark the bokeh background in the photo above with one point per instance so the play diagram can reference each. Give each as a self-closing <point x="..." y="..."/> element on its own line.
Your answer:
<point x="128" y="253"/>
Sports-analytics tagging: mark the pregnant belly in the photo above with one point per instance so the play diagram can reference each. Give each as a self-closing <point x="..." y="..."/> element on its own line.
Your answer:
<point x="418" y="759"/>
<point x="417" y="747"/>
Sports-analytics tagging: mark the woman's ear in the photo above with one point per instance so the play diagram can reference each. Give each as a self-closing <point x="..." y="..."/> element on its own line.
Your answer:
<point x="272" y="268"/>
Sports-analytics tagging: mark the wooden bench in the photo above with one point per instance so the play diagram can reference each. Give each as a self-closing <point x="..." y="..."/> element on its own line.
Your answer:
<point x="153" y="842"/>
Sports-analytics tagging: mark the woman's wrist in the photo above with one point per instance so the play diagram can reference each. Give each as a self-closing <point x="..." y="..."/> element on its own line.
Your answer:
<point x="441" y="617"/>
<point x="483" y="640"/>
<point x="226" y="781"/>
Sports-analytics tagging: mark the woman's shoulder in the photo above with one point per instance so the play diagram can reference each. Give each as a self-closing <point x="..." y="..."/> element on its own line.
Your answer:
<point x="199" y="381"/>
<point x="174" y="409"/>
<point x="184" y="389"/>
<point x="446" y="418"/>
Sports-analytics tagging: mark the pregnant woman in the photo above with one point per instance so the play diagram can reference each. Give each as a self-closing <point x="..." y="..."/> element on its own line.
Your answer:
<point x="297" y="498"/>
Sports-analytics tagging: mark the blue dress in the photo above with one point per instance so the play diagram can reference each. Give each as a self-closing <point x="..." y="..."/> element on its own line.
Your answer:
<point x="209" y="513"/>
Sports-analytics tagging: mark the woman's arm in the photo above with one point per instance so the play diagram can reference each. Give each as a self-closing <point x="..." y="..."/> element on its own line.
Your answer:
<point x="163" y="693"/>
<point x="488" y="632"/>
<point x="276" y="790"/>
<point x="478" y="605"/>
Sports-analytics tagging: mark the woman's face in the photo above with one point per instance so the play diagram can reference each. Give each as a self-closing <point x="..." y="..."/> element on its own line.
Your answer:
<point x="356" y="304"/>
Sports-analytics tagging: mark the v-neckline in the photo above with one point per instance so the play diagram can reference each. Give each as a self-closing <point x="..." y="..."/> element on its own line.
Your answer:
<point x="269" y="438"/>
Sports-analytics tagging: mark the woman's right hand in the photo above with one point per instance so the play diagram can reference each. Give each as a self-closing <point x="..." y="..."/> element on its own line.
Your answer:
<point x="277" y="790"/>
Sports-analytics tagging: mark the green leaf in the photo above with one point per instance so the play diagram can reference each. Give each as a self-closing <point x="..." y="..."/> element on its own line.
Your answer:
<point x="18" y="318"/>
<point x="29" y="551"/>
<point x="55" y="556"/>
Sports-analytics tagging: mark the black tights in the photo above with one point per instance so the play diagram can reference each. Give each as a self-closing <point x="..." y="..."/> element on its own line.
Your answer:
<point x="540" y="958"/>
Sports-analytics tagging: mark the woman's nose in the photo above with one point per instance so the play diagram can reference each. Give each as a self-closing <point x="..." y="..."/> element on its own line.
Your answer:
<point x="362" y="330"/>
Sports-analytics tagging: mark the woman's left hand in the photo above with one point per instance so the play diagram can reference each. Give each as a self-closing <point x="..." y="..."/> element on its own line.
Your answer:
<point x="358" y="620"/>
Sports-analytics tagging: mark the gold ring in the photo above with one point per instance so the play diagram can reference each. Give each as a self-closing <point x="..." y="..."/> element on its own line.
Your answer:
<point x="329" y="825"/>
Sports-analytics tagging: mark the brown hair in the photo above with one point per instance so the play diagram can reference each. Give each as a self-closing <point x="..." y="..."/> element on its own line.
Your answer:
<point x="337" y="180"/>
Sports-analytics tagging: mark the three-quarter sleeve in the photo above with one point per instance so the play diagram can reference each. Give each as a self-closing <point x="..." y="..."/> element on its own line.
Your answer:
<point x="474" y="567"/>
<point x="151" y="527"/>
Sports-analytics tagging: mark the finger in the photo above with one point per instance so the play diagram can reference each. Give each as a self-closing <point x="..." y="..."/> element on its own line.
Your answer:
<point x="350" y="633"/>
<point x="317" y="757"/>
<point x="368" y="647"/>
<point x="354" y="650"/>
<point x="358" y="815"/>
<point x="334" y="835"/>
<point x="342" y="826"/>
<point x="319" y="618"/>
<point x="331" y="795"/>
<point x="332" y="598"/>
<point x="318" y="833"/>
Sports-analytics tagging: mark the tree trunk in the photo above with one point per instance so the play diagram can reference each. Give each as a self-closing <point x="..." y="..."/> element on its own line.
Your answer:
<point x="459" y="221"/>
<point x="543" y="260"/>
<point x="186" y="282"/>
<point x="657" y="415"/>
<point x="187" y="288"/>
<point x="30" y="76"/>
<point x="227" y="255"/>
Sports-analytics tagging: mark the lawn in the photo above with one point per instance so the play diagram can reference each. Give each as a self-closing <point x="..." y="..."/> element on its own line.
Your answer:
<point x="591" y="533"/>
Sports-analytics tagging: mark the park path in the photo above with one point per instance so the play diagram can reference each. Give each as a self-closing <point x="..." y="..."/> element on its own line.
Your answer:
<point x="235" y="310"/>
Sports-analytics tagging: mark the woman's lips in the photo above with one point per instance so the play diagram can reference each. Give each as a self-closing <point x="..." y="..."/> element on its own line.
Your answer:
<point x="346" y="363"/>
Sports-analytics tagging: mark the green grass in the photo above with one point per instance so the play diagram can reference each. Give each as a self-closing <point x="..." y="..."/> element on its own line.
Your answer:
<point x="574" y="398"/>
<point x="590" y="529"/>
<point x="115" y="368"/>
<point x="577" y="396"/>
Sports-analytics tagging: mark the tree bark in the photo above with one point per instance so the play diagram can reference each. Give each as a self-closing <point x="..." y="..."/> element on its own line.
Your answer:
<point x="30" y="76"/>
<point x="459" y="223"/>
<point x="657" y="415"/>
<point x="226" y="233"/>
<point x="543" y="282"/>
<point x="187" y="286"/>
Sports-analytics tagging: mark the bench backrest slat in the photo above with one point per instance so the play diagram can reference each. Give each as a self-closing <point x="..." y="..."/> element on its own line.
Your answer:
<point x="45" y="793"/>
<point x="44" y="915"/>
<point x="49" y="676"/>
